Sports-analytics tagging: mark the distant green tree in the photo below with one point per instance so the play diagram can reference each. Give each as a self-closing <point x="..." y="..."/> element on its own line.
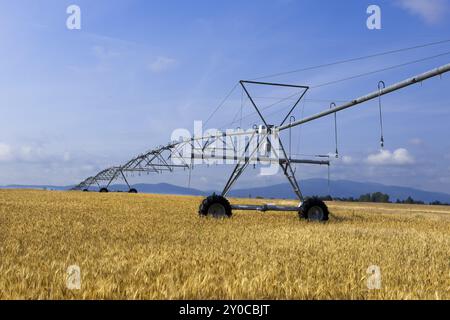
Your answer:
<point x="379" y="197"/>
<point x="409" y="200"/>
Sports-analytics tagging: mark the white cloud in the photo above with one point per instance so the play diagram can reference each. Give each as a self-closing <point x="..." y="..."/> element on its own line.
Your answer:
<point x="385" y="157"/>
<point x="416" y="141"/>
<point x="432" y="11"/>
<point x="66" y="156"/>
<point x="26" y="152"/>
<point x="101" y="52"/>
<point x="31" y="154"/>
<point x="6" y="153"/>
<point x="162" y="64"/>
<point x="88" y="168"/>
<point x="347" y="159"/>
<point x="341" y="159"/>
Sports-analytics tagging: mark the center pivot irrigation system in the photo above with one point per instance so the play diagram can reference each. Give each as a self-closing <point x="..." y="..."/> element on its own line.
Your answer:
<point x="170" y="157"/>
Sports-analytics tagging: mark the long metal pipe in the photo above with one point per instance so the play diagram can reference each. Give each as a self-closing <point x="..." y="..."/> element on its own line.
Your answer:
<point x="373" y="95"/>
<point x="259" y="159"/>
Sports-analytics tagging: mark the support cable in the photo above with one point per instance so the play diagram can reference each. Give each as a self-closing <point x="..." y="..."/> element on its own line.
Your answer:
<point x="392" y="67"/>
<point x="353" y="59"/>
<point x="190" y="173"/>
<point x="242" y="107"/>
<point x="381" y="70"/>
<point x="329" y="182"/>
<point x="300" y="128"/>
<point x="291" y="119"/>
<point x="221" y="103"/>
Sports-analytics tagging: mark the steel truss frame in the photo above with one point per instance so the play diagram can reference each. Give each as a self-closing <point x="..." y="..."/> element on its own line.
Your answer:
<point x="153" y="161"/>
<point x="214" y="147"/>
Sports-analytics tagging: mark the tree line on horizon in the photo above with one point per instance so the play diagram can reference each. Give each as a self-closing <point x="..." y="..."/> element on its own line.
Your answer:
<point x="379" y="197"/>
<point x="376" y="197"/>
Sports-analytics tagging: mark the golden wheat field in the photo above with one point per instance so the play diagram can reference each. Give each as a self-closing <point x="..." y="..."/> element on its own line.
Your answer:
<point x="156" y="247"/>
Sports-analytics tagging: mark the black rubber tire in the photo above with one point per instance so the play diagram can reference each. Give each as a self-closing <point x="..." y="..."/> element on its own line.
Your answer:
<point x="132" y="190"/>
<point x="209" y="207"/>
<point x="104" y="190"/>
<point x="314" y="209"/>
<point x="85" y="190"/>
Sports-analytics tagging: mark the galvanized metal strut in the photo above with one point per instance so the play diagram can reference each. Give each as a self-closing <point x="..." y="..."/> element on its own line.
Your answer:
<point x="264" y="132"/>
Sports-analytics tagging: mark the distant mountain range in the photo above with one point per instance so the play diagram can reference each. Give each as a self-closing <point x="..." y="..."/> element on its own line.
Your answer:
<point x="319" y="187"/>
<point x="39" y="187"/>
<point x="342" y="189"/>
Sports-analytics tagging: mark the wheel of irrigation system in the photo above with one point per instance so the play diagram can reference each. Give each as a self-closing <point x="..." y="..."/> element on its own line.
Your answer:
<point x="314" y="209"/>
<point x="215" y="206"/>
<point x="85" y="190"/>
<point x="103" y="190"/>
<point x="132" y="190"/>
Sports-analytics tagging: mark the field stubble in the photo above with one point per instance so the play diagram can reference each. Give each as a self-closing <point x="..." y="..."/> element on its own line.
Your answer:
<point x="156" y="247"/>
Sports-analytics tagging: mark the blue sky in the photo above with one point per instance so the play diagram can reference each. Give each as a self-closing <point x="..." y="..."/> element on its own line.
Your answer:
<point x="76" y="101"/>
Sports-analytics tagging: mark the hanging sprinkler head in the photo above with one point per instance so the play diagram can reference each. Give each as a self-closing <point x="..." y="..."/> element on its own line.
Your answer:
<point x="381" y="86"/>
<point x="333" y="105"/>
